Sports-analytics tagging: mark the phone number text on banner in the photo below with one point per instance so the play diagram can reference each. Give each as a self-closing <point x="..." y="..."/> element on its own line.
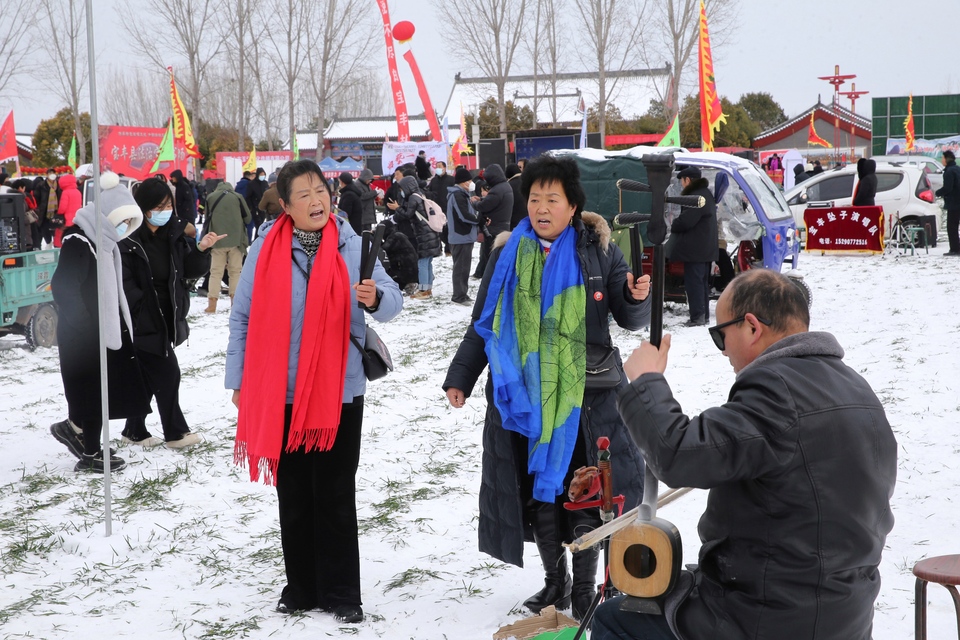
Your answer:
<point x="844" y="229"/>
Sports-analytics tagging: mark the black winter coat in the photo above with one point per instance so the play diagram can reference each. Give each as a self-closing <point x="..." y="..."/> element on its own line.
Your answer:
<point x="41" y="191"/>
<point x="497" y="206"/>
<point x="351" y="206"/>
<point x="151" y="326"/>
<point x="409" y="215"/>
<point x="423" y="168"/>
<point x="801" y="464"/>
<point x="503" y="527"/>
<point x="74" y="288"/>
<point x="866" y="194"/>
<point x="437" y="189"/>
<point x="368" y="199"/>
<point x="253" y="195"/>
<point x="519" y="203"/>
<point x="950" y="191"/>
<point x="695" y="229"/>
<point x="401" y="257"/>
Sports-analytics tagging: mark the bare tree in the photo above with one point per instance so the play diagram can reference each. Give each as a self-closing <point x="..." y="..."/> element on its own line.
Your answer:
<point x="184" y="29"/>
<point x="285" y="46"/>
<point x="237" y="32"/>
<point x="135" y="97"/>
<point x="612" y="30"/>
<point x="674" y="28"/>
<point x="365" y="94"/>
<point x="68" y="53"/>
<point x="547" y="53"/>
<point x="13" y="45"/>
<point x="333" y="62"/>
<point x="489" y="40"/>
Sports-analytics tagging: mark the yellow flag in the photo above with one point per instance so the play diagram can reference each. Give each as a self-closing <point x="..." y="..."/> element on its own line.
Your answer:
<point x="182" y="130"/>
<point x="251" y="163"/>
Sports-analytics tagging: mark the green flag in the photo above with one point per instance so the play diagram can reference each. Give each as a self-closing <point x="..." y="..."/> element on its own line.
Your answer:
<point x="672" y="137"/>
<point x="72" y="156"/>
<point x="295" y="147"/>
<point x="166" y="149"/>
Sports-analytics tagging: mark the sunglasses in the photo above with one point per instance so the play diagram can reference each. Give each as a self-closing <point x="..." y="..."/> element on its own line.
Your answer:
<point x="718" y="337"/>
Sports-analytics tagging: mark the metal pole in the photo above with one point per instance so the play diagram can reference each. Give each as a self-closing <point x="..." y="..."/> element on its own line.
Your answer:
<point x="104" y="397"/>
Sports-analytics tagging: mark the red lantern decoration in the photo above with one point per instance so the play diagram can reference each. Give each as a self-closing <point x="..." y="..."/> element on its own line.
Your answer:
<point x="403" y="31"/>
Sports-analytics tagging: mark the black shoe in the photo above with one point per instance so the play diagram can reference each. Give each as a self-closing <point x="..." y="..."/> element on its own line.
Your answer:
<point x="695" y="323"/>
<point x="349" y="613"/>
<point x="556" y="582"/>
<point x="288" y="609"/>
<point x="952" y="253"/>
<point x="65" y="434"/>
<point x="95" y="463"/>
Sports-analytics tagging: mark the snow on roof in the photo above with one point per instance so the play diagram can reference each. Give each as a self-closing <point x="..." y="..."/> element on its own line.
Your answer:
<point x="631" y="92"/>
<point x="374" y="128"/>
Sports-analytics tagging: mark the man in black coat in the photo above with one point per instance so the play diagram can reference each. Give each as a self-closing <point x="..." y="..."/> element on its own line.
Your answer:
<point x="799" y="175"/>
<point x="950" y="192"/>
<point x="800" y="476"/>
<point x="696" y="244"/>
<point x="349" y="203"/>
<point x="423" y="166"/>
<point x="514" y="177"/>
<point x="495" y="211"/>
<point x="42" y="189"/>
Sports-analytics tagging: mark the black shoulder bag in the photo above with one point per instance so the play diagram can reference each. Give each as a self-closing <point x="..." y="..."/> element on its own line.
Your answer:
<point x="376" y="357"/>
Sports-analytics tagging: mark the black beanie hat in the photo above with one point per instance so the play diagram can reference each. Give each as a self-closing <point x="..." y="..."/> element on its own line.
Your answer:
<point x="346" y="178"/>
<point x="462" y="175"/>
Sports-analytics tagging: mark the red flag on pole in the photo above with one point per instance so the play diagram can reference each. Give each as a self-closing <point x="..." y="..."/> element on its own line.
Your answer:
<point x="814" y="138"/>
<point x="8" y="140"/>
<point x="711" y="112"/>
<point x="908" y="126"/>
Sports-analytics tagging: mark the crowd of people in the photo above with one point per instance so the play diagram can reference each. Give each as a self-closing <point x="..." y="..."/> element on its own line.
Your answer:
<point x="800" y="475"/>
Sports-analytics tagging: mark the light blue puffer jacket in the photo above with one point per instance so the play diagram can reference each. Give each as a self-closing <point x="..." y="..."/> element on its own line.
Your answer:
<point x="391" y="302"/>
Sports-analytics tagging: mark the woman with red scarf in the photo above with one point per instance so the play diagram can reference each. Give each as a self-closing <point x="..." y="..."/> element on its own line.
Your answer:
<point x="300" y="392"/>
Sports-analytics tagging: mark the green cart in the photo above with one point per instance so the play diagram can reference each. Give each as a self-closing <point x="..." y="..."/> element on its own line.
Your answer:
<point x="26" y="302"/>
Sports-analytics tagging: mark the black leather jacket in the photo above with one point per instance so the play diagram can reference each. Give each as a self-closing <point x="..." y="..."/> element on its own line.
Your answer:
<point x="801" y="464"/>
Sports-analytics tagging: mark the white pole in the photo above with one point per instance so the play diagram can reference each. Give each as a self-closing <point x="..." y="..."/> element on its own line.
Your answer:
<point x="104" y="397"/>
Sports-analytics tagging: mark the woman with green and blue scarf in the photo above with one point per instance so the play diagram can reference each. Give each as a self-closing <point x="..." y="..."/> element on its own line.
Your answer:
<point x="545" y="300"/>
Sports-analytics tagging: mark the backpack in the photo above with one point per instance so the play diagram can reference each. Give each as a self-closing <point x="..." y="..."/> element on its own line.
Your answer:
<point x="435" y="219"/>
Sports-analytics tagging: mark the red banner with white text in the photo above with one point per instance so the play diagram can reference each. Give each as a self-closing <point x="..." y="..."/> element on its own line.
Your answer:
<point x="396" y="89"/>
<point x="131" y="151"/>
<point x="844" y="229"/>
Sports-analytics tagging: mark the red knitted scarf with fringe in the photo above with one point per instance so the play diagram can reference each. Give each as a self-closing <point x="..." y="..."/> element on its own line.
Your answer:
<point x="318" y="397"/>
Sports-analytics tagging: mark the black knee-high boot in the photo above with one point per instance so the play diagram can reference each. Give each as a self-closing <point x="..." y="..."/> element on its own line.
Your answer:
<point x="584" y="562"/>
<point x="549" y="538"/>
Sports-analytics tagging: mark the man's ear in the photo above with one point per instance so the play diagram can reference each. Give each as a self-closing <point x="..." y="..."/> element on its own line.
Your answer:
<point x="757" y="328"/>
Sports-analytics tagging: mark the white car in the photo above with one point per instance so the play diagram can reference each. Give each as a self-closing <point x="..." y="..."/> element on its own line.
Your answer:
<point x="902" y="190"/>
<point x="930" y="166"/>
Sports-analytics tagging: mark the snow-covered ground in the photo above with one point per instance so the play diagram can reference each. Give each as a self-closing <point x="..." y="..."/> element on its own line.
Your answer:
<point x="195" y="548"/>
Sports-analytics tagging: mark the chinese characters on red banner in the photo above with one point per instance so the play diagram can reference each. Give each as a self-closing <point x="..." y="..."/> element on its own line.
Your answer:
<point x="844" y="229"/>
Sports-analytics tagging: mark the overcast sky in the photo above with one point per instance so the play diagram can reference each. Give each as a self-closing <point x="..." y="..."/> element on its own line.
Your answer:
<point x="893" y="46"/>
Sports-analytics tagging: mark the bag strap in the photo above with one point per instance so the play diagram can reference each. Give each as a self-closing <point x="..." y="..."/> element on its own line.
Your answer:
<point x="356" y="343"/>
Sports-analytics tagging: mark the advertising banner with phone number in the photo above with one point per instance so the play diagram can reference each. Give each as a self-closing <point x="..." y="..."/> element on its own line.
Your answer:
<point x="844" y="229"/>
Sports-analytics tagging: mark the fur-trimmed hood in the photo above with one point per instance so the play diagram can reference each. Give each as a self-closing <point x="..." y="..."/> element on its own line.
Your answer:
<point x="591" y="221"/>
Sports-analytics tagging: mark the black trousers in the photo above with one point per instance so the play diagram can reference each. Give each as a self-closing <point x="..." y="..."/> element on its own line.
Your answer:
<point x="485" y="248"/>
<point x="162" y="377"/>
<point x="462" y="256"/>
<point x="696" y="283"/>
<point x="318" y="517"/>
<point x="953" y="230"/>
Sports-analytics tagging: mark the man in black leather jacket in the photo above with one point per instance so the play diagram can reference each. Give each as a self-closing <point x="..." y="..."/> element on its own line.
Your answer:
<point x="800" y="463"/>
<point x="695" y="244"/>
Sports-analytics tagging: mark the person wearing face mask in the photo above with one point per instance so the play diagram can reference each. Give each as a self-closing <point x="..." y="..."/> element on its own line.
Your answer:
<point x="47" y="192"/>
<point x="158" y="258"/>
<point x="75" y="290"/>
<point x="437" y="191"/>
<point x="255" y="190"/>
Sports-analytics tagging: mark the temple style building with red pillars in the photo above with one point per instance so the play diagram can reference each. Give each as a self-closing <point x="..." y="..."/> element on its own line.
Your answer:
<point x="848" y="132"/>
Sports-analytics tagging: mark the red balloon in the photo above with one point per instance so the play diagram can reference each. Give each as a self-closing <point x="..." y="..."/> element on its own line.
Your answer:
<point x="403" y="31"/>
